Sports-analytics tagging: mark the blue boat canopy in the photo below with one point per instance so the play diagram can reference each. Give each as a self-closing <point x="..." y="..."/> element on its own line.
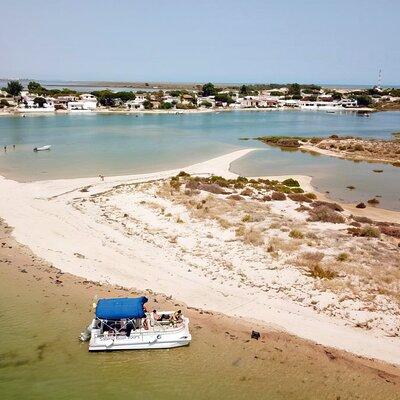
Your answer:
<point x="121" y="308"/>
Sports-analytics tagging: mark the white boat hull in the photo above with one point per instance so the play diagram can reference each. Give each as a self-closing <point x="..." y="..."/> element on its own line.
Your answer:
<point x="154" y="338"/>
<point x="43" y="148"/>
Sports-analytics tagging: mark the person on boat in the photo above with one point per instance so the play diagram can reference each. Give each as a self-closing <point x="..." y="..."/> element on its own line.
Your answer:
<point x="176" y="317"/>
<point x="162" y="317"/>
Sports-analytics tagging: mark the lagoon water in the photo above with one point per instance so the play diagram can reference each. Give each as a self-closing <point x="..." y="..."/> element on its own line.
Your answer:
<point x="89" y="145"/>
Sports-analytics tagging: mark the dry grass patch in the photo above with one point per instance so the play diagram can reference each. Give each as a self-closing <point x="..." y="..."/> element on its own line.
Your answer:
<point x="253" y="236"/>
<point x="247" y="218"/>
<point x="342" y="257"/>
<point x="311" y="262"/>
<point x="286" y="246"/>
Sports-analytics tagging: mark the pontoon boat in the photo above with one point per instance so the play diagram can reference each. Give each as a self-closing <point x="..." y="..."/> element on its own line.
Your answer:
<point x="123" y="324"/>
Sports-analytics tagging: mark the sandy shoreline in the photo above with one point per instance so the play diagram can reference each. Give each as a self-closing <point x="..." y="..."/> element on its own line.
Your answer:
<point x="170" y="112"/>
<point x="257" y="366"/>
<point x="43" y="219"/>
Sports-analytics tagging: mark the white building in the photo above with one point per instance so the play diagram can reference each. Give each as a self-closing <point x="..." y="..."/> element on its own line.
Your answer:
<point x="346" y="103"/>
<point x="136" y="104"/>
<point x="29" y="105"/>
<point x="87" y="102"/>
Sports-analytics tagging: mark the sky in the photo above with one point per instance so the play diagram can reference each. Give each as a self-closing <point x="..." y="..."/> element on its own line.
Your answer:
<point x="224" y="41"/>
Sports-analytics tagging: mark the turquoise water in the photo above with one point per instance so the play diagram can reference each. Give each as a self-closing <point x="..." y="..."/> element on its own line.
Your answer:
<point x="88" y="145"/>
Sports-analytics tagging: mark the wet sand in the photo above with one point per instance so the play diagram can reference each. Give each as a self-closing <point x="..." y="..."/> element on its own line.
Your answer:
<point x="45" y="310"/>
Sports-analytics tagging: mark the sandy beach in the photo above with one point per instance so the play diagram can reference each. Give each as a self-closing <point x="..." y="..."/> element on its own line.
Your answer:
<point x="68" y="224"/>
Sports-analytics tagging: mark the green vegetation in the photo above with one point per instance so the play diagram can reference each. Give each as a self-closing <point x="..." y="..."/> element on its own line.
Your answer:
<point x="4" y="103"/>
<point x="209" y="89"/>
<point x="14" y="88"/>
<point x="108" y="98"/>
<point x="364" y="100"/>
<point x="206" y="104"/>
<point x="247" y="90"/>
<point x="224" y="98"/>
<point x="39" y="101"/>
<point x="147" y="104"/>
<point x="370" y="231"/>
<point x="37" y="88"/>
<point x="165" y="105"/>
<point x="294" y="89"/>
<point x="250" y="187"/>
<point x="291" y="183"/>
<point x="296" y="234"/>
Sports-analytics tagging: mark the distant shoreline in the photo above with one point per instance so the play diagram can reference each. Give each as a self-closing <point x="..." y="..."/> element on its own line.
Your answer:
<point x="179" y="85"/>
<point x="177" y="112"/>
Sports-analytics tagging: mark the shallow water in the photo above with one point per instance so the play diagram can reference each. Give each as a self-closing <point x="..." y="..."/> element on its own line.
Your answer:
<point x="41" y="358"/>
<point x="89" y="145"/>
<point x="330" y="174"/>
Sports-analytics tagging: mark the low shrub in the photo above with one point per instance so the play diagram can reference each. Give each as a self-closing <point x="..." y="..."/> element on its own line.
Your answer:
<point x="312" y="262"/>
<point x="296" y="234"/>
<point x="212" y="188"/>
<point x="299" y="197"/>
<point x="370" y="231"/>
<point x="333" y="206"/>
<point x="283" y="189"/>
<point x="311" y="196"/>
<point x="247" y="218"/>
<point x="175" y="183"/>
<point x="363" y="220"/>
<point x="247" y="192"/>
<point x="291" y="182"/>
<point x="219" y="180"/>
<point x="317" y="271"/>
<point x="342" y="257"/>
<point x="373" y="201"/>
<point x="235" y="197"/>
<point x="297" y="190"/>
<point x="183" y="174"/>
<point x="325" y="214"/>
<point x="278" y="196"/>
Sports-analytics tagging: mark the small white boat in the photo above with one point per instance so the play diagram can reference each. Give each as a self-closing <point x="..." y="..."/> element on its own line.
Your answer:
<point x="47" y="147"/>
<point x="123" y="324"/>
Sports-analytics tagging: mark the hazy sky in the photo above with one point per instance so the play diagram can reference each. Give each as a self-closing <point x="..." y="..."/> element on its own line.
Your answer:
<point x="337" y="41"/>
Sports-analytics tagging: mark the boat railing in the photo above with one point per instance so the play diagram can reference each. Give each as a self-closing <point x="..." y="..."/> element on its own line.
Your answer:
<point x="153" y="326"/>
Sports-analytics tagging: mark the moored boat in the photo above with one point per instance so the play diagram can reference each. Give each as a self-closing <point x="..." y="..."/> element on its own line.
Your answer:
<point x="124" y="324"/>
<point x="42" y="148"/>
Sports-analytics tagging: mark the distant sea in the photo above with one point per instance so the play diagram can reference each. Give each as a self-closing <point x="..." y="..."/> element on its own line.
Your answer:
<point x="89" y="86"/>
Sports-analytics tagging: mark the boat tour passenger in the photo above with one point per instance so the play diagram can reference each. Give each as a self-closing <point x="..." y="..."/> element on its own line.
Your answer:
<point x="176" y="317"/>
<point x="162" y="317"/>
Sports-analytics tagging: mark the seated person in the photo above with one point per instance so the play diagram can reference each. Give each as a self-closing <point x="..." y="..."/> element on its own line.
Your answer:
<point x="176" y="317"/>
<point x="162" y="317"/>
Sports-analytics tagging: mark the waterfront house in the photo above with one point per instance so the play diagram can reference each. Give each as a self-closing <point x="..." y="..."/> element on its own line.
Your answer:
<point x="136" y="104"/>
<point x="35" y="104"/>
<point x="348" y="103"/>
